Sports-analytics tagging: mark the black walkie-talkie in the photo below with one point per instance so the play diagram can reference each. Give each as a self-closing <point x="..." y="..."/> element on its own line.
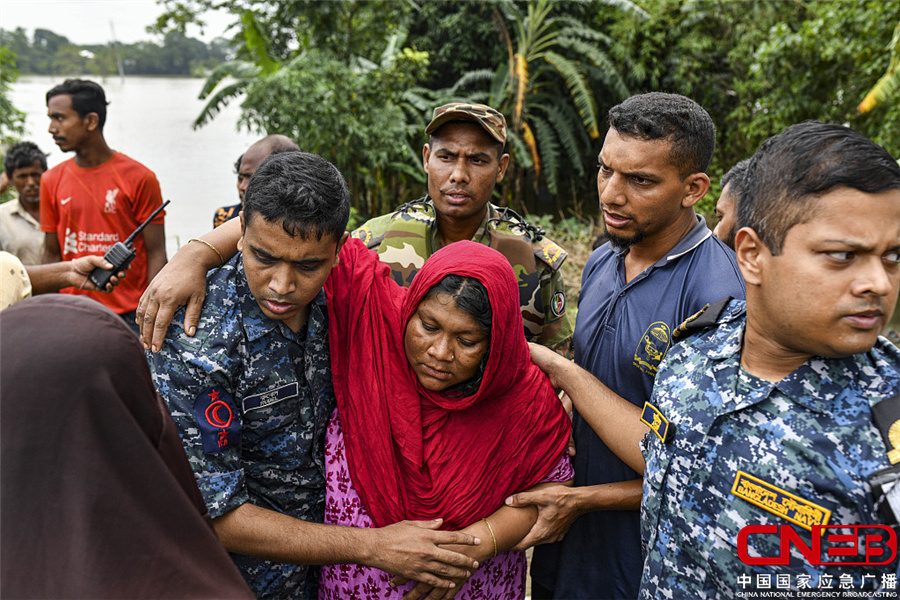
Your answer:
<point x="121" y="254"/>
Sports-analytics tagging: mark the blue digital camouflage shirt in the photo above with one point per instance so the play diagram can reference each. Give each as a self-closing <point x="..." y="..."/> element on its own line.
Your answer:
<point x="750" y="452"/>
<point x="251" y="400"/>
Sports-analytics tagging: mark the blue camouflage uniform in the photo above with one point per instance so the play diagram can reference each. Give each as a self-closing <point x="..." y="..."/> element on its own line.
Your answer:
<point x="251" y="400"/>
<point x="750" y="452"/>
<point x="623" y="330"/>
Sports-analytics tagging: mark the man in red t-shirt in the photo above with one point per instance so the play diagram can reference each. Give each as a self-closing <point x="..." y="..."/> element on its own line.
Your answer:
<point x="97" y="198"/>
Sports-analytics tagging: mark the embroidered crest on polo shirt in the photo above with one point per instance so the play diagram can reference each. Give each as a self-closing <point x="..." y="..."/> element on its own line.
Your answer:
<point x="218" y="420"/>
<point x="653" y="347"/>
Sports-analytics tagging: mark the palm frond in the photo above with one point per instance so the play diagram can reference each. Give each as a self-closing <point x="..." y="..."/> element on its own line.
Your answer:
<point x="521" y="87"/>
<point x="474" y="77"/>
<point x="219" y="101"/>
<point x="256" y="42"/>
<point x="549" y="152"/>
<point x="567" y="125"/>
<point x="238" y="69"/>
<point x="889" y="83"/>
<point x="574" y="28"/>
<point x="581" y="92"/>
<point x="611" y="75"/>
<point x="628" y="7"/>
<point x="499" y="86"/>
<point x="531" y="144"/>
<point x="519" y="150"/>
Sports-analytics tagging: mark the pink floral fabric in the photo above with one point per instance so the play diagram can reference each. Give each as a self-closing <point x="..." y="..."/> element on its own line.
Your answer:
<point x="500" y="578"/>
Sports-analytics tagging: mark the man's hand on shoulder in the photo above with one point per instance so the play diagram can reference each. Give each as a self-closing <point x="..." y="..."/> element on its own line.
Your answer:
<point x="182" y="281"/>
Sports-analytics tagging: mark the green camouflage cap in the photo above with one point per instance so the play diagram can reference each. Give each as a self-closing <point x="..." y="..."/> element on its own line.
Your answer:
<point x="491" y="120"/>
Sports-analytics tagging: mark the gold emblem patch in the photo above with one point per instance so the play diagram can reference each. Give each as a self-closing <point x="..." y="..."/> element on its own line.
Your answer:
<point x="779" y="502"/>
<point x="894" y="437"/>
<point x="657" y="422"/>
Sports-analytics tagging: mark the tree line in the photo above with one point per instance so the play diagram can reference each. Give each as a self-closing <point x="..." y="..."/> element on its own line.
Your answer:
<point x="48" y="53"/>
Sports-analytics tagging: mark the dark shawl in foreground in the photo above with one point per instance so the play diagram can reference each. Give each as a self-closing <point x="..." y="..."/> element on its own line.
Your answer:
<point x="98" y="499"/>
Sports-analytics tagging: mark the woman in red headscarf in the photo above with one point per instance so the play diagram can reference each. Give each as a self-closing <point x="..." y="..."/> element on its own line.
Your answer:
<point x="441" y="413"/>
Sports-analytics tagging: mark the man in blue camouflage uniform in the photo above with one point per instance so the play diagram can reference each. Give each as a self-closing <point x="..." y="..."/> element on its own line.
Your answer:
<point x="783" y="417"/>
<point x="464" y="160"/>
<point x="251" y="392"/>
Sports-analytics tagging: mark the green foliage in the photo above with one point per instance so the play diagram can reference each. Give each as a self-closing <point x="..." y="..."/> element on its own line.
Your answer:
<point x="886" y="87"/>
<point x="50" y="54"/>
<point x="12" y="120"/>
<point x="347" y="28"/>
<point x="818" y="68"/>
<point x="350" y="114"/>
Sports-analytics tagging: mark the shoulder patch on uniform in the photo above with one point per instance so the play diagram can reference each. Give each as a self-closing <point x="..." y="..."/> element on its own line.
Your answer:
<point x="705" y="318"/>
<point x="886" y="415"/>
<point x="779" y="502"/>
<point x="217" y="418"/>
<point x="363" y="233"/>
<point x="550" y="252"/>
<point x="558" y="303"/>
<point x="658" y="424"/>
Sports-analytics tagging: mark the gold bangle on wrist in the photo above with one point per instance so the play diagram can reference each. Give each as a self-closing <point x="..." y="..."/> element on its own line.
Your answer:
<point x="211" y="247"/>
<point x="493" y="537"/>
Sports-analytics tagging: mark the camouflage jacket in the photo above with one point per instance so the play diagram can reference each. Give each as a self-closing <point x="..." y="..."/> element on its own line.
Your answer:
<point x="750" y="452"/>
<point x="405" y="238"/>
<point x="251" y="400"/>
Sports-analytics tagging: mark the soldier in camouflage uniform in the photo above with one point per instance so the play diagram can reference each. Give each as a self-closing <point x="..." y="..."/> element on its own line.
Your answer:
<point x="251" y="393"/>
<point x="784" y="416"/>
<point x="464" y="160"/>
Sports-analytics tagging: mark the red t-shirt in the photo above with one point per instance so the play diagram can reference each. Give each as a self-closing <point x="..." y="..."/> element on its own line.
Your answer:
<point x="92" y="209"/>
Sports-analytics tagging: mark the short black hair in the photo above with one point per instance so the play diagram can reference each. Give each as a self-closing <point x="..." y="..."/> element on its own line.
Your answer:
<point x="87" y="97"/>
<point x="736" y="176"/>
<point x="23" y="154"/>
<point x="792" y="170"/>
<point x="673" y="117"/>
<point x="303" y="191"/>
<point x="237" y="165"/>
<point x="472" y="297"/>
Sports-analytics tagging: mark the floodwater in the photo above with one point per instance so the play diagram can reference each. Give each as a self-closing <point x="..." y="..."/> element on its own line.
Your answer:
<point x="149" y="119"/>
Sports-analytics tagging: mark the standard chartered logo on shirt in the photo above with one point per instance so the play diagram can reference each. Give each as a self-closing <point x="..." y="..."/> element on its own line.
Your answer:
<point x="71" y="242"/>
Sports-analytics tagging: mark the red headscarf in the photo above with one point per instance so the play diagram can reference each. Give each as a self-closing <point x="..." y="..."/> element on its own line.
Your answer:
<point x="415" y="454"/>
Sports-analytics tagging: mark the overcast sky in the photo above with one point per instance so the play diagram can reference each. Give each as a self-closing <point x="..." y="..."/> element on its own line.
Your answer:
<point x="87" y="21"/>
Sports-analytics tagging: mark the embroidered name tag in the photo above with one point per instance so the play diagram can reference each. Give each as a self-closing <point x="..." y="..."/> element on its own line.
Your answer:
<point x="265" y="399"/>
<point x="657" y="423"/>
<point x="779" y="502"/>
<point x="220" y="427"/>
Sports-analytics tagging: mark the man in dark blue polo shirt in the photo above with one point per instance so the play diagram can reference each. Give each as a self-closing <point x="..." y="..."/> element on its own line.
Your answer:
<point x="661" y="265"/>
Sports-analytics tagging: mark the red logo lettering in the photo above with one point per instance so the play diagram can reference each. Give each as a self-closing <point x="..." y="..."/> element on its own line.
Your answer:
<point x="878" y="544"/>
